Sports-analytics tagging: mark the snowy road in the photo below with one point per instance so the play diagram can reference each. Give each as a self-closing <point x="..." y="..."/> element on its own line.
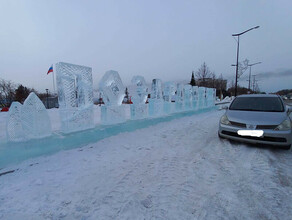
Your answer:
<point x="173" y="170"/>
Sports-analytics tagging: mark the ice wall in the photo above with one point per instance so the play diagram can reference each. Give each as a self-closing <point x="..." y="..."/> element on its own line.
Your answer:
<point x="188" y="97"/>
<point x="195" y="97"/>
<point x="75" y="95"/>
<point x="168" y="94"/>
<point x="179" y="101"/>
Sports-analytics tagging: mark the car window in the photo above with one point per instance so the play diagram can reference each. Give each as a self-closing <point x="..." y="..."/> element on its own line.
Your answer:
<point x="265" y="104"/>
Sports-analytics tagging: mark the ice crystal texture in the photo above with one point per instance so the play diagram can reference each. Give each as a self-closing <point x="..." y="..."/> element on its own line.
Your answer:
<point x="113" y="92"/>
<point x="156" y="99"/>
<point x="28" y="121"/>
<point x="14" y="128"/>
<point x="139" y="108"/>
<point x="75" y="94"/>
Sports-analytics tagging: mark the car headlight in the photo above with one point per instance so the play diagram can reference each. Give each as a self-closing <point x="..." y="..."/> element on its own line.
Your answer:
<point x="224" y="120"/>
<point x="284" y="126"/>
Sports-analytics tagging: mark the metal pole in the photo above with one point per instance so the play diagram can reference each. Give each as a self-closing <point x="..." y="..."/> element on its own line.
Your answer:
<point x="249" y="78"/>
<point x="47" y="98"/>
<point x="54" y="82"/>
<point x="236" y="76"/>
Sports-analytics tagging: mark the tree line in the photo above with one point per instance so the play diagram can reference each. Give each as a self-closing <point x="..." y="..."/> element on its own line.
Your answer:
<point x="10" y="92"/>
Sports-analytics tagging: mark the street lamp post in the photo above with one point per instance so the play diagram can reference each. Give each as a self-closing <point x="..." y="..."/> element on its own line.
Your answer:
<point x="237" y="35"/>
<point x="47" y="90"/>
<point x="250" y="65"/>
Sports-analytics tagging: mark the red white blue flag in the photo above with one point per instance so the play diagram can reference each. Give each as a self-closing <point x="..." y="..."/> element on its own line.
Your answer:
<point x="50" y="70"/>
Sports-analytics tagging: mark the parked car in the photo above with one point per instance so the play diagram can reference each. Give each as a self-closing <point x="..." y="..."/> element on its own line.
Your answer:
<point x="263" y="119"/>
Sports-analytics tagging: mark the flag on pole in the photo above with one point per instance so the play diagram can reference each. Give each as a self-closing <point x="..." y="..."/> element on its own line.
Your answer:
<point x="50" y="70"/>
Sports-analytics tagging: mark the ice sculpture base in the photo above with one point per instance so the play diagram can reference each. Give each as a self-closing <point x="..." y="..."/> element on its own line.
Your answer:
<point x="155" y="107"/>
<point x="113" y="114"/>
<point x="168" y="107"/>
<point x="76" y="119"/>
<point x="179" y="106"/>
<point x="139" y="111"/>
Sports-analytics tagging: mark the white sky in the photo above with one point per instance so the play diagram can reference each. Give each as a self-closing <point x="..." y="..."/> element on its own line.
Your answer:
<point x="156" y="39"/>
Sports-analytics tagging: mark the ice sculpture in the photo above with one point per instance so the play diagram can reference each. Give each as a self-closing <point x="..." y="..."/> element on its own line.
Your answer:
<point x="156" y="99"/>
<point x="168" y="93"/>
<point x="75" y="94"/>
<point x="139" y="107"/>
<point x="179" y="101"/>
<point x="214" y="96"/>
<point x="28" y="121"/>
<point x="14" y="129"/>
<point x="187" y="97"/>
<point x="113" y="92"/>
<point x="195" y="96"/>
<point x="35" y="118"/>
<point x="210" y="97"/>
<point x="202" y="97"/>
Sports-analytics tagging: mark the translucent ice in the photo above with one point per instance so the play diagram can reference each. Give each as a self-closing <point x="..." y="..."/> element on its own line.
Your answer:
<point x="195" y="96"/>
<point x="28" y="121"/>
<point x="113" y="92"/>
<point x="179" y="101"/>
<point x="14" y="129"/>
<point x="202" y="97"/>
<point x="35" y="118"/>
<point x="156" y="89"/>
<point x="141" y="90"/>
<point x="75" y="94"/>
<point x="156" y="99"/>
<point x="139" y="97"/>
<point x="168" y="93"/>
<point x="187" y="97"/>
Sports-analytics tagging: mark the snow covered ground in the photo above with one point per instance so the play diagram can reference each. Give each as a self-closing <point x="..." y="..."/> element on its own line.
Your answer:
<point x="173" y="170"/>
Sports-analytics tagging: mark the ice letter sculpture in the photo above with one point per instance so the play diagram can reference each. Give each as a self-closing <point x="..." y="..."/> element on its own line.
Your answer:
<point x="202" y="97"/>
<point x="35" y="118"/>
<point x="139" y="108"/>
<point x="28" y="121"/>
<point x="187" y="97"/>
<point x="75" y="94"/>
<point x="195" y="97"/>
<point x="179" y="101"/>
<point x="156" y="99"/>
<point x="168" y="93"/>
<point x="113" y="92"/>
<point x="210" y="97"/>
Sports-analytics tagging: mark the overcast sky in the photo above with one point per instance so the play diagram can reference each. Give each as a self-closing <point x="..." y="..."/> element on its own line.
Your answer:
<point x="156" y="39"/>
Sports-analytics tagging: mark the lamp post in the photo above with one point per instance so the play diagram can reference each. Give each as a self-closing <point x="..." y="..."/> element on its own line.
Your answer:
<point x="47" y="90"/>
<point x="237" y="35"/>
<point x="250" y="65"/>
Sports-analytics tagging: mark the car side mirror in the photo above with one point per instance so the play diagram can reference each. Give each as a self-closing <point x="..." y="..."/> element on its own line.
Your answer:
<point x="225" y="107"/>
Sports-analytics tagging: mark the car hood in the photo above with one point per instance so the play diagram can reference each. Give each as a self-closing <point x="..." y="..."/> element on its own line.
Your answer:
<point x="256" y="118"/>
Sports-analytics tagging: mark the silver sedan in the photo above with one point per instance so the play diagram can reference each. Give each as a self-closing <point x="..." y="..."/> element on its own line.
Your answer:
<point x="263" y="119"/>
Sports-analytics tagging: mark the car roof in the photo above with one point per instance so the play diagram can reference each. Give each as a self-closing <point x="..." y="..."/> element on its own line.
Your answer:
<point x="258" y="95"/>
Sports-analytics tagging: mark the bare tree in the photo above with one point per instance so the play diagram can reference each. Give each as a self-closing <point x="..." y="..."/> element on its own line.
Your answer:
<point x="7" y="90"/>
<point x="213" y="77"/>
<point x="203" y="73"/>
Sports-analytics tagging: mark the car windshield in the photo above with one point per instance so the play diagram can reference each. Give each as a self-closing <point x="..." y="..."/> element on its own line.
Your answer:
<point x="263" y="104"/>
